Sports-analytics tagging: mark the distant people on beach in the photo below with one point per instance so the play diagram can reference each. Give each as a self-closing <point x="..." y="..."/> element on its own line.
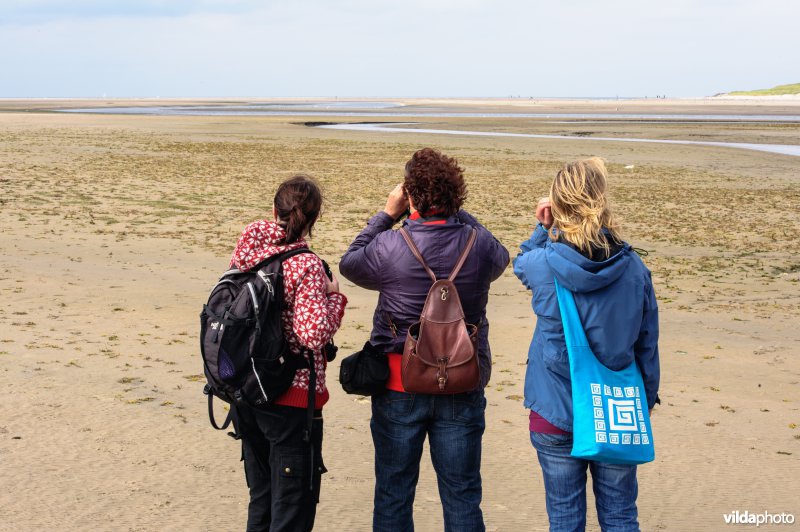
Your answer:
<point x="380" y="259"/>
<point x="577" y="242"/>
<point x="276" y="448"/>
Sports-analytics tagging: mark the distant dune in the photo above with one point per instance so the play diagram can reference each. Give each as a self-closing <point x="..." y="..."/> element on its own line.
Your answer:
<point x="779" y="90"/>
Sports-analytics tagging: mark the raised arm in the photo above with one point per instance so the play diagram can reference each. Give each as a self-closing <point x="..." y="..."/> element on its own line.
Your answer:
<point x="527" y="250"/>
<point x="544" y="215"/>
<point x="317" y="314"/>
<point x="361" y="264"/>
<point x="497" y="252"/>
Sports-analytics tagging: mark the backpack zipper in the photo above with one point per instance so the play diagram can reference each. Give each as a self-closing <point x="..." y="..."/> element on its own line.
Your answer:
<point x="253" y="363"/>
<point x="392" y="326"/>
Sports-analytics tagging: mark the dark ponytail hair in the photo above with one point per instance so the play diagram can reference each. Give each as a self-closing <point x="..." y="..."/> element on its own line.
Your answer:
<point x="298" y="202"/>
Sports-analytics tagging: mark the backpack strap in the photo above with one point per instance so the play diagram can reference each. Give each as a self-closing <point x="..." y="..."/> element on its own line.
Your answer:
<point x="416" y="253"/>
<point x="292" y="252"/>
<point x="312" y="396"/>
<point x="228" y="419"/>
<point x="461" y="259"/>
<point x="280" y="257"/>
<point x="473" y="235"/>
<point x="261" y="267"/>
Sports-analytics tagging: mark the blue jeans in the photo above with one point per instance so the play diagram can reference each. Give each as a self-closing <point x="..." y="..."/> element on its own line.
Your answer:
<point x="454" y="425"/>
<point x="615" y="487"/>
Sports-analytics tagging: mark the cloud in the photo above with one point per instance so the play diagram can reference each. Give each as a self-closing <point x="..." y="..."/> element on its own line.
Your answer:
<point x="27" y="12"/>
<point x="393" y="48"/>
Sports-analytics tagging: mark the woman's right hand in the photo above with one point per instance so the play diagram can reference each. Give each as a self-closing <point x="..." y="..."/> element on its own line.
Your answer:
<point x="544" y="212"/>
<point x="396" y="203"/>
<point x="331" y="285"/>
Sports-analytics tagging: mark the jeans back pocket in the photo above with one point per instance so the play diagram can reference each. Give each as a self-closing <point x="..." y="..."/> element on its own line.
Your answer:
<point x="396" y="406"/>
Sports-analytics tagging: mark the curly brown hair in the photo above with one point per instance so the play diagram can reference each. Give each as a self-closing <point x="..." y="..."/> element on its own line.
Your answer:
<point x="435" y="183"/>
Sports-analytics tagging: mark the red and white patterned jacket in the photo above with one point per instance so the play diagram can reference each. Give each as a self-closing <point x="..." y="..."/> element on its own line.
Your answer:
<point x="311" y="317"/>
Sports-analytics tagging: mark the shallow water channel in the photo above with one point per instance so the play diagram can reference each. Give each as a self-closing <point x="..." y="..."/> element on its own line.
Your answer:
<point x="783" y="149"/>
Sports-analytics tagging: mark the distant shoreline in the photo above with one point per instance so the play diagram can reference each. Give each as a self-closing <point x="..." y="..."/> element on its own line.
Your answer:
<point x="760" y="98"/>
<point x="712" y="105"/>
<point x="462" y="100"/>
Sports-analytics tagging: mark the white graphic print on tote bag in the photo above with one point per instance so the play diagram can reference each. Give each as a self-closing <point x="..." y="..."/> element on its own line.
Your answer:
<point x="618" y="415"/>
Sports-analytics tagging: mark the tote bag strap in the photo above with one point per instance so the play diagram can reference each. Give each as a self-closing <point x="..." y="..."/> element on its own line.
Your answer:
<point x="573" y="329"/>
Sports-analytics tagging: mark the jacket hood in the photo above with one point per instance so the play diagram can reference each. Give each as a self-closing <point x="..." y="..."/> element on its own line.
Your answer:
<point x="259" y="241"/>
<point x="579" y="274"/>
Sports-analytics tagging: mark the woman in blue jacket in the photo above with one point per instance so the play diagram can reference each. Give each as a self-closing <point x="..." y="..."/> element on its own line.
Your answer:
<point x="577" y="242"/>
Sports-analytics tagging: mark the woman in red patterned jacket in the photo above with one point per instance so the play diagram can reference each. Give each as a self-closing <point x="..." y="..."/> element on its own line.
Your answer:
<point x="276" y="456"/>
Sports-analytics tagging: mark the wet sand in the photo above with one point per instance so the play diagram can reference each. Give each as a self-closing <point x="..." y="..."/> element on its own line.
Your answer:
<point x="114" y="229"/>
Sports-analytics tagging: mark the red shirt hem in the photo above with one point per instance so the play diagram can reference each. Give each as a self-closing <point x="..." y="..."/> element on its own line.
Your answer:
<point x="541" y="425"/>
<point x="299" y="397"/>
<point x="395" y="381"/>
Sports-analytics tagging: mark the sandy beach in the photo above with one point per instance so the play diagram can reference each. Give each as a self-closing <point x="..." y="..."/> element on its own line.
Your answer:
<point x="114" y="229"/>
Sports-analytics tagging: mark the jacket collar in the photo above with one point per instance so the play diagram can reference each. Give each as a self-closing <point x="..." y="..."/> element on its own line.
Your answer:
<point x="433" y="218"/>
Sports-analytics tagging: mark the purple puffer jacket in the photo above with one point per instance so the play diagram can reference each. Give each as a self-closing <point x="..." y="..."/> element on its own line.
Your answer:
<point x="379" y="259"/>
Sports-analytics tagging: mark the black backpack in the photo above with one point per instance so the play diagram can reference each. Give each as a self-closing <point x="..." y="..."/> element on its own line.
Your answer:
<point x="245" y="355"/>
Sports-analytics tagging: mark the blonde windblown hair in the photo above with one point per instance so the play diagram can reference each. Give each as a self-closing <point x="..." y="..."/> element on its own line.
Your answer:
<point x="580" y="206"/>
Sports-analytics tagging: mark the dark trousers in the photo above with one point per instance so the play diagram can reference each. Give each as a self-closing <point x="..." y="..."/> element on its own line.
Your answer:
<point x="277" y="467"/>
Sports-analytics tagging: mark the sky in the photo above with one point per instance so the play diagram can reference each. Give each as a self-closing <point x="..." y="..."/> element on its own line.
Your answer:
<point x="379" y="48"/>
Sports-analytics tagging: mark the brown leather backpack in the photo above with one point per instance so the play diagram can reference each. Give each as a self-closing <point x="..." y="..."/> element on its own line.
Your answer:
<point x="440" y="355"/>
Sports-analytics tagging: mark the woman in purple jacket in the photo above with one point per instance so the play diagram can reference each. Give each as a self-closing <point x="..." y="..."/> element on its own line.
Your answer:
<point x="379" y="259"/>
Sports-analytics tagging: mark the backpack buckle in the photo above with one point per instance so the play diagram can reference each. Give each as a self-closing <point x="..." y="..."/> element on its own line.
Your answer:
<point x="265" y="277"/>
<point x="441" y="375"/>
<point x="445" y="293"/>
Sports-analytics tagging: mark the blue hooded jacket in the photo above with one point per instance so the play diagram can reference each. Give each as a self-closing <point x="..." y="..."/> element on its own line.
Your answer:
<point x="618" y="310"/>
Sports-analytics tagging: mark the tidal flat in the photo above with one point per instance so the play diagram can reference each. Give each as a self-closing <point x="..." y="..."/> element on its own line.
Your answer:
<point x="114" y="228"/>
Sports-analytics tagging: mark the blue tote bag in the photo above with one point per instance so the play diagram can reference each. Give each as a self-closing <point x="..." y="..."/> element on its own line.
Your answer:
<point x="611" y="422"/>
